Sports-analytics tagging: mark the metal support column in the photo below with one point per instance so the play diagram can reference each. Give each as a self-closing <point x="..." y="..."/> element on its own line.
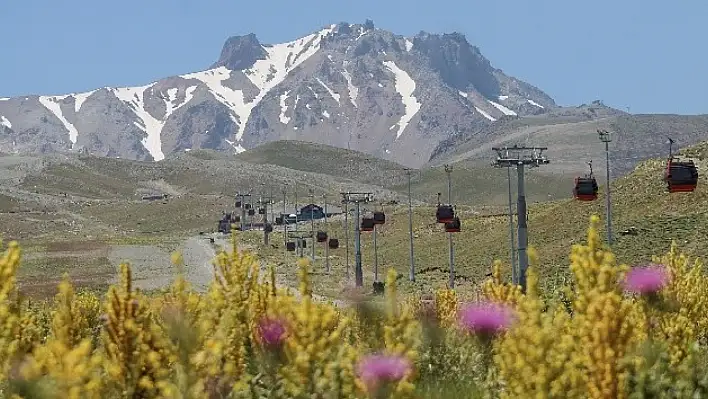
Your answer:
<point x="606" y="138"/>
<point x="358" y="273"/>
<point x="520" y="157"/>
<point x="411" y="273"/>
<point x="523" y="237"/>
<point x="357" y="199"/>
<point x="376" y="257"/>
<point x="514" y="272"/>
<point x="327" y="268"/>
<point x="451" y="283"/>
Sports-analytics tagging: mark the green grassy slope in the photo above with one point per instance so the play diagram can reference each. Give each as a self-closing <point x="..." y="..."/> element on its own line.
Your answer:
<point x="639" y="200"/>
<point x="320" y="158"/>
<point x="485" y="185"/>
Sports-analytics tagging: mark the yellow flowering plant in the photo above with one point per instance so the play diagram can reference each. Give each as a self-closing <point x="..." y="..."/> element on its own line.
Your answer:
<point x="245" y="337"/>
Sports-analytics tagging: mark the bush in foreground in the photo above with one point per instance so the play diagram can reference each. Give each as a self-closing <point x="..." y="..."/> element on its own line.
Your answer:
<point x="615" y="332"/>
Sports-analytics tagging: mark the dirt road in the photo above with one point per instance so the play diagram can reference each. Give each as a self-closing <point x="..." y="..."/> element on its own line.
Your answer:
<point x="152" y="268"/>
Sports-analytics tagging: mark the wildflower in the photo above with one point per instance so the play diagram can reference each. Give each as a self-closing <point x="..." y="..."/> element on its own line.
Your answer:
<point x="646" y="280"/>
<point x="272" y="331"/>
<point x="375" y="369"/>
<point x="485" y="318"/>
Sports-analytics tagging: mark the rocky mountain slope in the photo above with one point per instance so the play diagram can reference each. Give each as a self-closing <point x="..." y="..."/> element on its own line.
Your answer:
<point x="570" y="134"/>
<point x="347" y="85"/>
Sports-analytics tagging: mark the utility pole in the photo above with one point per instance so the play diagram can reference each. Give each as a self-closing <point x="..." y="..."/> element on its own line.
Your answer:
<point x="265" y="204"/>
<point x="357" y="199"/>
<point x="312" y="221"/>
<point x="521" y="156"/>
<point x="514" y="271"/>
<point x="284" y="218"/>
<point x="324" y="200"/>
<point x="296" y="218"/>
<point x="411" y="272"/>
<point x="376" y="256"/>
<point x="606" y="138"/>
<point x="448" y="171"/>
<point x="346" y="232"/>
<point x="272" y="210"/>
<point x="512" y="250"/>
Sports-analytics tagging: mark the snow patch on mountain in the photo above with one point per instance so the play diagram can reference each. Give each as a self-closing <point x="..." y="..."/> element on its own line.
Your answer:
<point x="4" y="98"/>
<point x="409" y="45"/>
<point x="52" y="104"/>
<point x="484" y="114"/>
<point x="330" y="91"/>
<point x="80" y="98"/>
<point x="353" y="90"/>
<point x="232" y="99"/>
<point x="134" y="98"/>
<point x="362" y="32"/>
<point x="171" y="106"/>
<point x="5" y="122"/>
<point x="405" y="86"/>
<point x="462" y="93"/>
<point x="237" y="147"/>
<point x="503" y="109"/>
<point x="325" y="114"/>
<point x="532" y="102"/>
<point x="502" y="98"/>
<point x="284" y="108"/>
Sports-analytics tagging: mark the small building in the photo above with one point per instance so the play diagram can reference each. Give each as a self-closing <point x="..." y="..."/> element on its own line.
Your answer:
<point x="307" y="213"/>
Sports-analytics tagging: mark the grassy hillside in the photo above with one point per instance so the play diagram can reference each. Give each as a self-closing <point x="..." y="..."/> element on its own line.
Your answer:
<point x="103" y="206"/>
<point x="484" y="185"/>
<point x="320" y="158"/>
<point x="640" y="203"/>
<point x="201" y="173"/>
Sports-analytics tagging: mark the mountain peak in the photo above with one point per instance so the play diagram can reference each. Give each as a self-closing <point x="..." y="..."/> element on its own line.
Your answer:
<point x="240" y="52"/>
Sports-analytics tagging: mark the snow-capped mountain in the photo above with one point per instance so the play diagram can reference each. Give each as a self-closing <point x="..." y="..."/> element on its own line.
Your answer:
<point x="347" y="85"/>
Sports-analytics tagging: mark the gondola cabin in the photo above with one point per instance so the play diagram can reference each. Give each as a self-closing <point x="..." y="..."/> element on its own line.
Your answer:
<point x="453" y="226"/>
<point x="321" y="236"/>
<point x="445" y="214"/>
<point x="585" y="189"/>
<point x="367" y="224"/>
<point x="681" y="176"/>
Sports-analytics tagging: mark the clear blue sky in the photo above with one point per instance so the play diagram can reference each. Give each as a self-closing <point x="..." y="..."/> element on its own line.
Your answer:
<point x="646" y="55"/>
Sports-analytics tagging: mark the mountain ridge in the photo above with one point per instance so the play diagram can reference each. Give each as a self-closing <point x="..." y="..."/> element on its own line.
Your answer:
<point x="347" y="85"/>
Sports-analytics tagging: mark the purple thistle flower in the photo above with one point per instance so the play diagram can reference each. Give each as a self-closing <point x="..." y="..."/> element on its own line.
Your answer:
<point x="373" y="369"/>
<point x="272" y="331"/>
<point x="485" y="318"/>
<point x="646" y="279"/>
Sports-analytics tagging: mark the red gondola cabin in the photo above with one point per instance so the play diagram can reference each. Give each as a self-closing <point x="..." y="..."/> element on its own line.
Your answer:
<point x="367" y="224"/>
<point x="585" y="189"/>
<point x="321" y="236"/>
<point x="681" y="176"/>
<point x="453" y="226"/>
<point x="445" y="214"/>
